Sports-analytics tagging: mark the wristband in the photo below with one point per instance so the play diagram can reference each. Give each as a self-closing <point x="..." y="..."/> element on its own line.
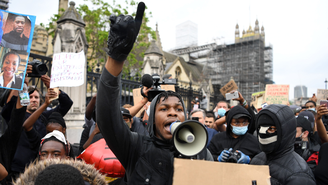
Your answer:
<point x="245" y="103"/>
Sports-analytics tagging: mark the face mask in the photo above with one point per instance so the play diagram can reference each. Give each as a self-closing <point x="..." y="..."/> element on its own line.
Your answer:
<point x="221" y="112"/>
<point x="267" y="140"/>
<point x="313" y="109"/>
<point x="239" y="130"/>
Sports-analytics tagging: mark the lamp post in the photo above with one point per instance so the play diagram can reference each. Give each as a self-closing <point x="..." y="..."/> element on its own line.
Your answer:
<point x="326" y="83"/>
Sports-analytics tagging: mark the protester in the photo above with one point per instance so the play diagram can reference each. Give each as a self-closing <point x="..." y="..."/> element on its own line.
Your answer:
<point x="153" y="156"/>
<point x="221" y="108"/>
<point x="209" y="120"/>
<point x="200" y="115"/>
<point x="320" y="172"/>
<point x="16" y="39"/>
<point x="203" y="103"/>
<point x="236" y="138"/>
<point x="9" y="141"/>
<point x="54" y="145"/>
<point x="306" y="144"/>
<point x="322" y="110"/>
<point x="276" y="127"/>
<point x="10" y="63"/>
<point x="60" y="173"/>
<point x="296" y="109"/>
<point x="25" y="154"/>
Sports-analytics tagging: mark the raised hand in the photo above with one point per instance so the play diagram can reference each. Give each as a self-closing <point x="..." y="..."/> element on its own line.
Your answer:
<point x="123" y="33"/>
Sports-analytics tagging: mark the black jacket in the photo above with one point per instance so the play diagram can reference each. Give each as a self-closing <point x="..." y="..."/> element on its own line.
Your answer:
<point x="29" y="142"/>
<point x="286" y="166"/>
<point x="10" y="138"/>
<point x="147" y="160"/>
<point x="223" y="140"/>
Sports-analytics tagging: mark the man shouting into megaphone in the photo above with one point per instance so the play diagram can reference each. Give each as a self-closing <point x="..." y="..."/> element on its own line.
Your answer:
<point x="147" y="160"/>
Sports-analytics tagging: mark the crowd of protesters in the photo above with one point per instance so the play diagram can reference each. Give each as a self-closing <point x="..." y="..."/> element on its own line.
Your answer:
<point x="291" y="140"/>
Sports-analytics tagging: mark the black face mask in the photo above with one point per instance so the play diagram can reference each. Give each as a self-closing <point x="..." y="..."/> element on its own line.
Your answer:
<point x="267" y="140"/>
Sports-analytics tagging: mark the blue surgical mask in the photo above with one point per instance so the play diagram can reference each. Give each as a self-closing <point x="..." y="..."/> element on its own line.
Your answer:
<point x="313" y="109"/>
<point x="221" y="112"/>
<point x="239" y="130"/>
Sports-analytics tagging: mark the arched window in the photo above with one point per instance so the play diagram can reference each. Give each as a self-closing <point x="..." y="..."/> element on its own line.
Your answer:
<point x="177" y="72"/>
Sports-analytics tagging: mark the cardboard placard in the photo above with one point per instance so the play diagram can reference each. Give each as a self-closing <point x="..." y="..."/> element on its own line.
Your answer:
<point x="277" y="94"/>
<point x="67" y="69"/>
<point x="322" y="94"/>
<point x="137" y="97"/>
<point x="257" y="99"/>
<point x="230" y="86"/>
<point x="195" y="172"/>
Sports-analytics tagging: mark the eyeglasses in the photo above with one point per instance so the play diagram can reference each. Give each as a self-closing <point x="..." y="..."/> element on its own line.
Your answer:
<point x="244" y="123"/>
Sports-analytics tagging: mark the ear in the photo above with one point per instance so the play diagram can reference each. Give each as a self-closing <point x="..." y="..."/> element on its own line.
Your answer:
<point x="64" y="131"/>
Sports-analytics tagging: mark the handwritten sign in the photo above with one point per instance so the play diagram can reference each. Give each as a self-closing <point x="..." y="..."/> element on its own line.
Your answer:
<point x="277" y="94"/>
<point x="230" y="86"/>
<point x="67" y="69"/>
<point x="257" y="99"/>
<point x="322" y="94"/>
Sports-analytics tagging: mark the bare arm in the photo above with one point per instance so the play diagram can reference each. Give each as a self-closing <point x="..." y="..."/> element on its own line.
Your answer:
<point x="29" y="122"/>
<point x="94" y="132"/>
<point x="3" y="172"/>
<point x="322" y="110"/>
<point x="218" y="124"/>
<point x="136" y="108"/>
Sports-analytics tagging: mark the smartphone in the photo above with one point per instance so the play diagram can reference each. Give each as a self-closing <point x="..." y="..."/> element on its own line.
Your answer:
<point x="324" y="102"/>
<point x="56" y="89"/>
<point x="233" y="95"/>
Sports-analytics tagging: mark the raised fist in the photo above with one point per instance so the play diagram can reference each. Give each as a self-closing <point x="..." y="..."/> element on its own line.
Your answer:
<point x="123" y="33"/>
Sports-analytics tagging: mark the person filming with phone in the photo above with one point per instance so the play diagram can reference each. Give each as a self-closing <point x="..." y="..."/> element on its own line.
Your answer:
<point x="24" y="153"/>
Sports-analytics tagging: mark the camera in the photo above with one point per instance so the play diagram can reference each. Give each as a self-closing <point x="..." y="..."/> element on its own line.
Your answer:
<point x="157" y="86"/>
<point x="234" y="157"/>
<point x="38" y="68"/>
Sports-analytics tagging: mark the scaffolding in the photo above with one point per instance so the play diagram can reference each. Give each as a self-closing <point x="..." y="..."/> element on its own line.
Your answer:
<point x="248" y="62"/>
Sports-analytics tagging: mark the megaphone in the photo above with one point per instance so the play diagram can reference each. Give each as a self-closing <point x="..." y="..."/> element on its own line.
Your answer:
<point x="189" y="137"/>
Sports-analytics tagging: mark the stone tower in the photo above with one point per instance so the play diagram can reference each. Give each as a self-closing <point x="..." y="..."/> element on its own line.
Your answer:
<point x="70" y="38"/>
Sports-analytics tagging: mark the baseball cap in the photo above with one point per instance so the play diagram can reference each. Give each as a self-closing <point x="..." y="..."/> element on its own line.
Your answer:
<point x="308" y="115"/>
<point x="304" y="123"/>
<point x="295" y="108"/>
<point x="125" y="112"/>
<point x="241" y="115"/>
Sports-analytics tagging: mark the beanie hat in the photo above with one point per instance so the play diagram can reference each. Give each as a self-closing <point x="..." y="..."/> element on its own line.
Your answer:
<point x="56" y="117"/>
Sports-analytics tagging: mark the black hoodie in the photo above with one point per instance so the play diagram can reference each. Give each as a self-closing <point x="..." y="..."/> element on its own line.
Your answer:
<point x="147" y="160"/>
<point x="224" y="140"/>
<point x="286" y="166"/>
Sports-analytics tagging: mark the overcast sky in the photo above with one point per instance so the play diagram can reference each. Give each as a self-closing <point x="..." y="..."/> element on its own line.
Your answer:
<point x="297" y="30"/>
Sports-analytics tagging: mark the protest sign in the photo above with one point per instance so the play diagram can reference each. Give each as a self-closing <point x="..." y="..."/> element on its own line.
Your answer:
<point x="67" y="69"/>
<point x="16" y="35"/>
<point x="230" y="86"/>
<point x="277" y="94"/>
<point x="195" y="172"/>
<point x="257" y="99"/>
<point x="322" y="94"/>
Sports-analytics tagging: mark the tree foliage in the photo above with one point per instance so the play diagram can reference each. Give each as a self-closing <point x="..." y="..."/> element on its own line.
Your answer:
<point x="97" y="22"/>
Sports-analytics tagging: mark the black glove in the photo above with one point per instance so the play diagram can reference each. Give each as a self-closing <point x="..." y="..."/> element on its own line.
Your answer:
<point x="123" y="33"/>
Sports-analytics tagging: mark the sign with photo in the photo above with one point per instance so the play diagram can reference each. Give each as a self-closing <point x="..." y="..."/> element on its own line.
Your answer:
<point x="322" y="94"/>
<point x="16" y="34"/>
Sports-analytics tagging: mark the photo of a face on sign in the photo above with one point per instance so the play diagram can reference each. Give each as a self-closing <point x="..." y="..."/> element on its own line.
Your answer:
<point x="13" y="67"/>
<point x="16" y="32"/>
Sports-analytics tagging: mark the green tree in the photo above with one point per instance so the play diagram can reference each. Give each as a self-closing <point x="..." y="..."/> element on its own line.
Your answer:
<point x="97" y="22"/>
<point x="97" y="27"/>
